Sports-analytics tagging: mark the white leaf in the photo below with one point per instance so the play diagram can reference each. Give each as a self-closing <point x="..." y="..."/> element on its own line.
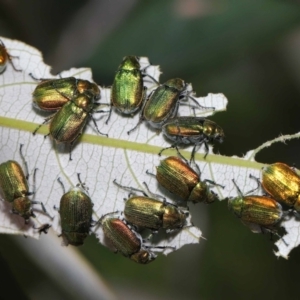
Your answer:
<point x="98" y="159"/>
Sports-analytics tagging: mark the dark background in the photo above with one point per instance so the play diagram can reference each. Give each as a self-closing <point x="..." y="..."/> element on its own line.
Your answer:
<point x="248" y="50"/>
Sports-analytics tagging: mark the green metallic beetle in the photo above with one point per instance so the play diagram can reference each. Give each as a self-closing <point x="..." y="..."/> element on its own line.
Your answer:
<point x="192" y="130"/>
<point x="5" y="57"/>
<point x="52" y="94"/>
<point x="177" y="176"/>
<point x="259" y="213"/>
<point x="68" y="123"/>
<point x="75" y="211"/>
<point x="163" y="103"/>
<point x="126" y="241"/>
<point x="14" y="188"/>
<point x="128" y="91"/>
<point x="151" y="213"/>
<point x="283" y="184"/>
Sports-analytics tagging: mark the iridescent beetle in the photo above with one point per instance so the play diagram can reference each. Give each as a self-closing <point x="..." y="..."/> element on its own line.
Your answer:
<point x="192" y="130"/>
<point x="52" y="94"/>
<point x="146" y="212"/>
<point x="5" y="57"/>
<point x="128" y="91"/>
<point x="259" y="213"/>
<point x="75" y="211"/>
<point x="68" y="123"/>
<point x="125" y="240"/>
<point x="163" y="103"/>
<point x="177" y="176"/>
<point x="283" y="183"/>
<point x="14" y="188"/>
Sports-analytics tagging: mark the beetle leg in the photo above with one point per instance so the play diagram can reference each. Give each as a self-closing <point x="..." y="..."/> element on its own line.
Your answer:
<point x="45" y="121"/>
<point x="197" y="103"/>
<point x="214" y="183"/>
<point x="149" y="173"/>
<point x="162" y="150"/>
<point x="94" y="121"/>
<point x="136" y="126"/>
<point x="129" y="188"/>
<point x="109" y="114"/>
<point x="155" y="195"/>
<point x="43" y="208"/>
<point x="258" y="184"/>
<point x="10" y="57"/>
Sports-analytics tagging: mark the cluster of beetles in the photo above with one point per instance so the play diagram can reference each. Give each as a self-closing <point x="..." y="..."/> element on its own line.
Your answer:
<point x="73" y="102"/>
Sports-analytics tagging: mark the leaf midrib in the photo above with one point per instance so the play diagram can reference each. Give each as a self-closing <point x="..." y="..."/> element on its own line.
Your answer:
<point x="134" y="146"/>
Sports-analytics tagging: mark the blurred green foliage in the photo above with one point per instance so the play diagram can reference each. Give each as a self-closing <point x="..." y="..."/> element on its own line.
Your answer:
<point x="248" y="50"/>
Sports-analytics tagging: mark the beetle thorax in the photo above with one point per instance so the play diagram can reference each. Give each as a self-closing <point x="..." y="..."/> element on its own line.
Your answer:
<point x="173" y="218"/>
<point x="3" y="59"/>
<point x="219" y="134"/>
<point x="142" y="257"/>
<point x="22" y="206"/>
<point x="130" y="63"/>
<point x="236" y="205"/>
<point x="84" y="102"/>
